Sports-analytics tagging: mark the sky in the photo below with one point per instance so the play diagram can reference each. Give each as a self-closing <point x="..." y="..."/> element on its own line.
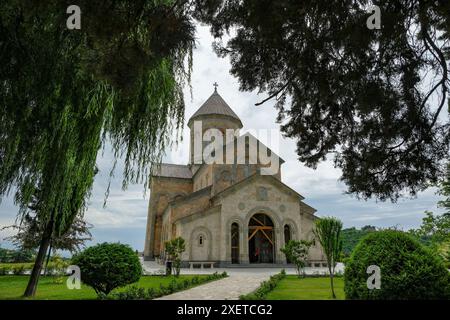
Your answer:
<point x="125" y="215"/>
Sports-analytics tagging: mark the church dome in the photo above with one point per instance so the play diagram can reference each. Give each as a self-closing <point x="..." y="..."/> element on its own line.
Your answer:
<point x="215" y="106"/>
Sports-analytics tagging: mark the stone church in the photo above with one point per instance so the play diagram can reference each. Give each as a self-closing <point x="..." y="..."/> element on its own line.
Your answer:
<point x="227" y="213"/>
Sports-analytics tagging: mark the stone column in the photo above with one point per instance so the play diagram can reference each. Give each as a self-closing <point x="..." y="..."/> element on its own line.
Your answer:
<point x="244" y="247"/>
<point x="279" y="256"/>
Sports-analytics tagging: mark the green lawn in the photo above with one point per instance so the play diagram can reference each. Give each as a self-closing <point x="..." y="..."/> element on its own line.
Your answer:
<point x="294" y="288"/>
<point x="12" y="287"/>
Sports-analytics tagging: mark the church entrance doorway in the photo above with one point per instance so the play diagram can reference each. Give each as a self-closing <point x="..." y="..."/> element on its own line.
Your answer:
<point x="260" y="239"/>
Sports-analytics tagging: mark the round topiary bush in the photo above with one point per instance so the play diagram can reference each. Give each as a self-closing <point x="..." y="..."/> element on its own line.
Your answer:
<point x="408" y="269"/>
<point x="107" y="266"/>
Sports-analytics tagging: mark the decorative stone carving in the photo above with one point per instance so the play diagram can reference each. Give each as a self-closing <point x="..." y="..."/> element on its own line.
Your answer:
<point x="241" y="206"/>
<point x="261" y="194"/>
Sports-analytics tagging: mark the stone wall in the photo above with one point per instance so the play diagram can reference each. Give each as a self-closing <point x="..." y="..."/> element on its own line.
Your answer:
<point x="163" y="190"/>
<point x="205" y="225"/>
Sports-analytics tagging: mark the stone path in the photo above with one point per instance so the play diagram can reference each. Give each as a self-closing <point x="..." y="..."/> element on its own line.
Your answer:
<point x="229" y="288"/>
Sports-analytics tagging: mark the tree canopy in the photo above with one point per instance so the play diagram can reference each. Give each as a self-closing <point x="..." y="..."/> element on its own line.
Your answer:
<point x="29" y="235"/>
<point x="373" y="98"/>
<point x="444" y="190"/>
<point x="64" y="92"/>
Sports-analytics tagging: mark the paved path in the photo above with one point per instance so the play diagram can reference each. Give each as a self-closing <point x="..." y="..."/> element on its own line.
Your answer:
<point x="229" y="288"/>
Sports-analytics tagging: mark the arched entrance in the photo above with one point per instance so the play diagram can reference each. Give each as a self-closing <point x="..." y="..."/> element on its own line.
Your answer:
<point x="260" y="239"/>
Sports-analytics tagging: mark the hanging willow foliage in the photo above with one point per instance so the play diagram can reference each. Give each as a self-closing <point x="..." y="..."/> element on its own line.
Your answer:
<point x="64" y="93"/>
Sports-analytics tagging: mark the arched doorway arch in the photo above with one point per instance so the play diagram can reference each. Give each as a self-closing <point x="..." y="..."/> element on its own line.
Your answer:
<point x="261" y="244"/>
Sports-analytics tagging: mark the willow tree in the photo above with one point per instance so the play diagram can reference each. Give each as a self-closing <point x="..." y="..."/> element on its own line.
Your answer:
<point x="64" y="93"/>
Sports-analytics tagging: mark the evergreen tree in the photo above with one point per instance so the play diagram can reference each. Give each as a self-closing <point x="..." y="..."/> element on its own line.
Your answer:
<point x="344" y="89"/>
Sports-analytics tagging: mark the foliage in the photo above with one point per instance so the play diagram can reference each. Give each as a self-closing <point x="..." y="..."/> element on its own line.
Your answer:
<point x="7" y="268"/>
<point x="30" y="231"/>
<point x="18" y="269"/>
<point x="107" y="266"/>
<point x="15" y="256"/>
<point x="409" y="270"/>
<point x="351" y="237"/>
<point x="65" y="94"/>
<point x="444" y="190"/>
<point x="345" y="90"/>
<point x="447" y="256"/>
<point x="265" y="287"/>
<point x="328" y="231"/>
<point x="297" y="251"/>
<point x="174" y="248"/>
<point x="138" y="293"/>
<point x="434" y="229"/>
<point x="58" y="268"/>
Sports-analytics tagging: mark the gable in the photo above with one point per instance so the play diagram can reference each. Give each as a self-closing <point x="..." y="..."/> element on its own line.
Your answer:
<point x="262" y="188"/>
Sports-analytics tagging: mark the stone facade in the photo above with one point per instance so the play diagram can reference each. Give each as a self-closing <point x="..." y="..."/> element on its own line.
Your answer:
<point x="227" y="213"/>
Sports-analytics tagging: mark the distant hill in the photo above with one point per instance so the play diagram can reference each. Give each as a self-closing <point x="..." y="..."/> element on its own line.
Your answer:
<point x="351" y="236"/>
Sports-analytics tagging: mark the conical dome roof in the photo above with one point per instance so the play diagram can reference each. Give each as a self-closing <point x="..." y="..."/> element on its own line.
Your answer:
<point x="215" y="105"/>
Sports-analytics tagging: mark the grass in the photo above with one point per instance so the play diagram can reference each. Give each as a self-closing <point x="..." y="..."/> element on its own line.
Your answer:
<point x="12" y="287"/>
<point x="294" y="288"/>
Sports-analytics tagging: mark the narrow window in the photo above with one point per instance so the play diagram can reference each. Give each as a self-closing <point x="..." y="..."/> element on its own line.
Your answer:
<point x="234" y="243"/>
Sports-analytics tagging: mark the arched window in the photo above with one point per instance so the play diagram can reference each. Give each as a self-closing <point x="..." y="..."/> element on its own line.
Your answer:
<point x="287" y="237"/>
<point x="234" y="243"/>
<point x="200" y="240"/>
<point x="287" y="233"/>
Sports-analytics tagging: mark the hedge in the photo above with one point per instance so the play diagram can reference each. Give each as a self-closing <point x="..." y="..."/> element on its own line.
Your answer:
<point x="138" y="293"/>
<point x="265" y="287"/>
<point x="20" y="268"/>
<point x="408" y="269"/>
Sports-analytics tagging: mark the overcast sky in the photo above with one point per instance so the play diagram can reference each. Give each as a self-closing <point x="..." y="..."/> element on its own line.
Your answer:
<point x="125" y="215"/>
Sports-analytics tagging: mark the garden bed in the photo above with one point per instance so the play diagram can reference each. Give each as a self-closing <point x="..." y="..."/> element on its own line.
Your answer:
<point x="13" y="286"/>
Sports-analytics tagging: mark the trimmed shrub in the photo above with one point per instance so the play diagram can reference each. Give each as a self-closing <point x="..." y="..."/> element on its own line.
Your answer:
<point x="18" y="269"/>
<point x="107" y="266"/>
<point x="4" y="270"/>
<point x="21" y="268"/>
<point x="408" y="269"/>
<point x="137" y="293"/>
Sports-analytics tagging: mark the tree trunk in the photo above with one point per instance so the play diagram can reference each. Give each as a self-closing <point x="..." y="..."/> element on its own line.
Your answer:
<point x="332" y="284"/>
<point x="48" y="258"/>
<point x="36" y="272"/>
